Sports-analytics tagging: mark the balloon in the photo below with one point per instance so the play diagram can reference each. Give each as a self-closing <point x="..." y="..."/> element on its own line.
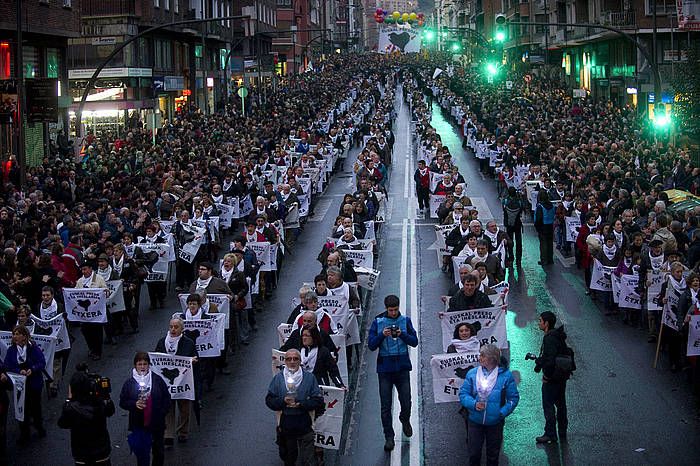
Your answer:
<point x="379" y="11"/>
<point x="399" y="21"/>
<point x="420" y="15"/>
<point x="412" y="16"/>
<point x="405" y="17"/>
<point x="420" y="23"/>
<point x="380" y="19"/>
<point x="389" y="19"/>
<point x="396" y="15"/>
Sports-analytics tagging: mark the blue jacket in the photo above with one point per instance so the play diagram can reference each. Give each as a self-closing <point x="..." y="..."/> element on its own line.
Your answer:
<point x="310" y="398"/>
<point x="393" y="352"/>
<point x="35" y="361"/>
<point x="160" y="404"/>
<point x="494" y="412"/>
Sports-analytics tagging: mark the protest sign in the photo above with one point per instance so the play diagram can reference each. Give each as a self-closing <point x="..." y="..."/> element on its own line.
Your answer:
<point x="600" y="276"/>
<point x="115" y="300"/>
<point x="491" y="323"/>
<point x="449" y="372"/>
<point x="283" y="332"/>
<point x="245" y="206"/>
<point x="47" y="345"/>
<point x="19" y="383"/>
<point x="158" y="272"/>
<point x="367" y="278"/>
<point x="207" y="335"/>
<point x="292" y="218"/>
<point x="360" y="257"/>
<point x="628" y="296"/>
<point x="262" y="253"/>
<point x="225" y="215"/>
<point x="693" y="346"/>
<point x="86" y="304"/>
<point x="190" y="249"/>
<point x="670" y="311"/>
<point x="572" y="226"/>
<point x="435" y="201"/>
<point x="329" y="426"/>
<point x="176" y="372"/>
<point x="369" y="230"/>
<point x="655" y="280"/>
<point x="57" y="328"/>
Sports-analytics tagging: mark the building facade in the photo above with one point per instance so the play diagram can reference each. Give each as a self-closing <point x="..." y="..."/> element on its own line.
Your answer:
<point x="46" y="27"/>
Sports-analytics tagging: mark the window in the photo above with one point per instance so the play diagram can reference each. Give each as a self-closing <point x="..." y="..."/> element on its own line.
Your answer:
<point x="284" y="3"/>
<point x="67" y="3"/>
<point x="166" y="5"/>
<point x="663" y="7"/>
<point x="156" y="3"/>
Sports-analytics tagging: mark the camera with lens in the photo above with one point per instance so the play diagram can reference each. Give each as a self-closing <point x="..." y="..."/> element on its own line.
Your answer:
<point x="530" y="357"/>
<point x="394" y="331"/>
<point x="100" y="387"/>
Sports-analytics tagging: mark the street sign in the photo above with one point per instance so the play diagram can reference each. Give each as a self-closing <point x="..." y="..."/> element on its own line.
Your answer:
<point x="527" y="78"/>
<point x="509" y="84"/>
<point x="242" y="92"/>
<point x="490" y="79"/>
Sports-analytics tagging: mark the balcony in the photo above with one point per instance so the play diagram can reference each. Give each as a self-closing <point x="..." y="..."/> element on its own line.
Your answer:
<point x="619" y="19"/>
<point x="108" y="8"/>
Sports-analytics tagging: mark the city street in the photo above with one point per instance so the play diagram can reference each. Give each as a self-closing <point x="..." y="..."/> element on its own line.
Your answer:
<point x="617" y="403"/>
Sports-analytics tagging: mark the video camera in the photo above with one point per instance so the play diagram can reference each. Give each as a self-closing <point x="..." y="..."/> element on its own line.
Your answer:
<point x="100" y="387"/>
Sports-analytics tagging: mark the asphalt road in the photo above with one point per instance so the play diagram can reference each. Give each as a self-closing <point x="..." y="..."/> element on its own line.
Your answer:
<point x="617" y="402"/>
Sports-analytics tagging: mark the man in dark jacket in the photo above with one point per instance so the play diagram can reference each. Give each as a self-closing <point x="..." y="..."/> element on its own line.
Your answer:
<point x="86" y="416"/>
<point x="553" y="386"/>
<point x="469" y="297"/>
<point x="392" y="333"/>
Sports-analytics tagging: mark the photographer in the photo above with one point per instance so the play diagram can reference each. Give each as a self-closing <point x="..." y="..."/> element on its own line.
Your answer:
<point x="553" y="378"/>
<point x="85" y="413"/>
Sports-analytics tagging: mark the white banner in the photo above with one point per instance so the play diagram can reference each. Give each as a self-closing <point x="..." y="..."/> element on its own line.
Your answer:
<point x="115" y="300"/>
<point x="344" y="319"/>
<point x="572" y="226"/>
<point x="225" y="215"/>
<point x="262" y="252"/>
<point x="395" y="39"/>
<point x="367" y="278"/>
<point x="86" y="304"/>
<point x="449" y="372"/>
<point x="329" y="426"/>
<point x="435" y="179"/>
<point x="670" y="315"/>
<point x="654" y="282"/>
<point x="492" y="322"/>
<point x="47" y="345"/>
<point x="245" y="206"/>
<point x="435" y="201"/>
<point x="360" y="257"/>
<point x="369" y="230"/>
<point x="19" y="390"/>
<point x="629" y="298"/>
<point x="189" y="250"/>
<point x="283" y="332"/>
<point x="600" y="276"/>
<point x="159" y="270"/>
<point x="57" y="327"/>
<point x="223" y="305"/>
<point x="176" y="372"/>
<point x="208" y="335"/>
<point x="694" y="335"/>
<point x="292" y="218"/>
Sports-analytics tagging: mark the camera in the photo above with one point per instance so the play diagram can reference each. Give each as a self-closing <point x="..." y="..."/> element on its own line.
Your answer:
<point x="394" y="331"/>
<point x="530" y="357"/>
<point x="100" y="387"/>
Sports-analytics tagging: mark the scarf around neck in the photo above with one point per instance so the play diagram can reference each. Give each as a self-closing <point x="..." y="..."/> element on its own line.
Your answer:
<point x="308" y="358"/>
<point x="609" y="251"/>
<point x="470" y="345"/>
<point x="293" y="379"/>
<point x="485" y="383"/>
<point x="48" y="312"/>
<point x="171" y="343"/>
<point x="144" y="379"/>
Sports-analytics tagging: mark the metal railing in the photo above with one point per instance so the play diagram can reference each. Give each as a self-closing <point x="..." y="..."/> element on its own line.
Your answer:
<point x="620" y="19"/>
<point x="108" y="7"/>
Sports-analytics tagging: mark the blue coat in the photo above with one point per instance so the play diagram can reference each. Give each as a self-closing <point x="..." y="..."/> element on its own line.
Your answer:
<point x="393" y="352"/>
<point x="160" y="404"/>
<point x="35" y="362"/>
<point x="295" y="420"/>
<point x="494" y="412"/>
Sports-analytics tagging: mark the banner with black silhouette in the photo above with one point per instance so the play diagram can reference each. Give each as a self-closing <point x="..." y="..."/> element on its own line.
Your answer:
<point x="190" y="249"/>
<point x="223" y="305"/>
<point x="600" y="276"/>
<point x="342" y="361"/>
<point x="19" y="383"/>
<point x="669" y="316"/>
<point x="115" y="300"/>
<point x="655" y="280"/>
<point x="344" y="319"/>
<point x="86" y="304"/>
<point x="176" y="372"/>
<point x="693" y="346"/>
<point x="208" y="335"/>
<point x="55" y="327"/>
<point x="489" y="323"/>
<point x="158" y="272"/>
<point x="449" y="372"/>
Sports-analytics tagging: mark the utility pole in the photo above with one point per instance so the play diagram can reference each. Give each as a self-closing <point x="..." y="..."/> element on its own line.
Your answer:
<point x="205" y="89"/>
<point x="19" y="72"/>
<point x="546" y="35"/>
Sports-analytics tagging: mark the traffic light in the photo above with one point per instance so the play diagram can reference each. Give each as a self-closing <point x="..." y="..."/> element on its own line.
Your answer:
<point x="501" y="33"/>
<point x="492" y="68"/>
<point x="661" y="119"/>
<point x="455" y="47"/>
<point x="429" y="35"/>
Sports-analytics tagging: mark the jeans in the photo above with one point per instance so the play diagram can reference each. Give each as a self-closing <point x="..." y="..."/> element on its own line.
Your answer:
<point x="400" y="380"/>
<point x="292" y="447"/>
<point x="516" y="235"/>
<point x="477" y="434"/>
<point x="546" y="235"/>
<point x="554" y="395"/>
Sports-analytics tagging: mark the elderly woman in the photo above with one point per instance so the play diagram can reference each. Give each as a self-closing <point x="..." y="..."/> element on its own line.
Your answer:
<point x="489" y="394"/>
<point x="294" y="393"/>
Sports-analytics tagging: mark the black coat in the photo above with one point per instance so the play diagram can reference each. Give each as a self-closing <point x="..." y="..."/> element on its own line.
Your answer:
<point x="294" y="341"/>
<point x="87" y="421"/>
<point x="185" y="347"/>
<point x="326" y="369"/>
<point x="161" y="403"/>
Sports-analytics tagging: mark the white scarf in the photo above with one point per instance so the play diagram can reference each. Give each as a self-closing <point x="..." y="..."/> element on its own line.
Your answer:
<point x="618" y="238"/>
<point x="463" y="232"/>
<point x="457" y="219"/>
<point x="226" y="275"/>
<point x="292" y="378"/>
<point x="218" y="199"/>
<point x="423" y="172"/>
<point x="144" y="379"/>
<point x="308" y="358"/>
<point x="22" y="354"/>
<point x="88" y="283"/>
<point x="485" y="383"/>
<point x="469" y="345"/>
<point x="190" y="316"/>
<point x="677" y="285"/>
<point x="227" y="185"/>
<point x="609" y="251"/>
<point x="694" y="297"/>
<point x="171" y="343"/>
<point x="203" y="283"/>
<point x="478" y="258"/>
<point x="129" y="250"/>
<point x="656" y="262"/>
<point x="493" y="236"/>
<point x="467" y="251"/>
<point x="105" y="273"/>
<point x="48" y="312"/>
<point x="119" y="265"/>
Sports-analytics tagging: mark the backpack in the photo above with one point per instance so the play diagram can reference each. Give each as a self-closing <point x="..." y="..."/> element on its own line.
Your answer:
<point x="512" y="214"/>
<point x="564" y="364"/>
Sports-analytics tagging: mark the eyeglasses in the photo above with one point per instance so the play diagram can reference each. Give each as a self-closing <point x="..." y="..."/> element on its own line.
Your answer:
<point x="292" y="359"/>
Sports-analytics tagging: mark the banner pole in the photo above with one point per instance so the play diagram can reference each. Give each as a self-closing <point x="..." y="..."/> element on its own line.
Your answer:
<point x="658" y="346"/>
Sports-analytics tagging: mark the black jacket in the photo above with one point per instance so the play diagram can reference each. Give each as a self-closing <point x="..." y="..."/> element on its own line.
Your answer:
<point x="462" y="302"/>
<point x="553" y="344"/>
<point x="185" y="347"/>
<point x="161" y="403"/>
<point x="326" y="369"/>
<point x="87" y="421"/>
<point x="294" y="341"/>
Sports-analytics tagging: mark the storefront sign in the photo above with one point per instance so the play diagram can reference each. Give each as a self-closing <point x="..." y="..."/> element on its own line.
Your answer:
<point x="111" y="73"/>
<point x="42" y="100"/>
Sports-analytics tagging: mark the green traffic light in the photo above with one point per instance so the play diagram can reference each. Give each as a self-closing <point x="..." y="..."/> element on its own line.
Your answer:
<point x="492" y="69"/>
<point x="455" y="47"/>
<point x="429" y="35"/>
<point x="500" y="36"/>
<point x="662" y="121"/>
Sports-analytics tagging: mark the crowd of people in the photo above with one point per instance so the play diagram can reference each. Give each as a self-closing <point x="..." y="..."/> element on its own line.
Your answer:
<point x="126" y="210"/>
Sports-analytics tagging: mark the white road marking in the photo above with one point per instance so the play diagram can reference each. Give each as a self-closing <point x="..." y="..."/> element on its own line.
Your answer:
<point x="406" y="179"/>
<point x="565" y="261"/>
<point x="483" y="208"/>
<point x="396" y="452"/>
<point x="415" y="446"/>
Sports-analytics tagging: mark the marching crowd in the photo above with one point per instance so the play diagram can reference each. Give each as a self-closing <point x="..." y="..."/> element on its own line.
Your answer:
<point x="117" y="218"/>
